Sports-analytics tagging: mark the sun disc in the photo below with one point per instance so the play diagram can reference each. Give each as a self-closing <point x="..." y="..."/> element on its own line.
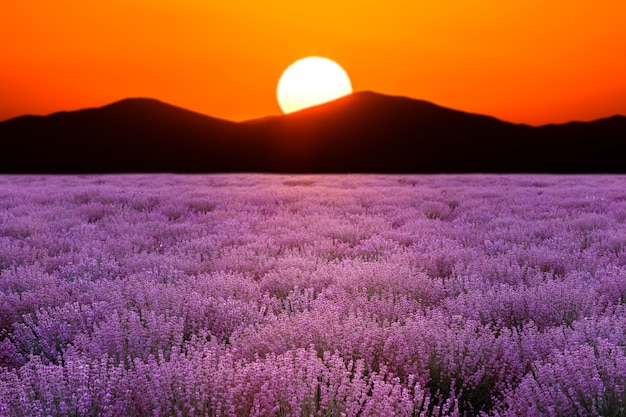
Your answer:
<point x="311" y="81"/>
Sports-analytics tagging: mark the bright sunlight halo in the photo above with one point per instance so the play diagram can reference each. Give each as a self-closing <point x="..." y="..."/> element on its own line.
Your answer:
<point x="311" y="81"/>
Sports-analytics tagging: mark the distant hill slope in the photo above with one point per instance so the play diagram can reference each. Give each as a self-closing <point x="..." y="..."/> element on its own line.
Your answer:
<point x="133" y="135"/>
<point x="363" y="132"/>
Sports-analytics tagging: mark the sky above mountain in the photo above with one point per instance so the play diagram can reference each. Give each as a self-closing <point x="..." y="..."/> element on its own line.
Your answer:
<point x="525" y="61"/>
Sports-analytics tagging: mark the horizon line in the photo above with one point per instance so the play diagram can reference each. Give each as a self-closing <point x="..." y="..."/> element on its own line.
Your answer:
<point x="271" y="116"/>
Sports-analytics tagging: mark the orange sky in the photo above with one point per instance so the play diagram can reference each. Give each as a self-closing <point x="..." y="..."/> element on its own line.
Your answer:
<point x="530" y="61"/>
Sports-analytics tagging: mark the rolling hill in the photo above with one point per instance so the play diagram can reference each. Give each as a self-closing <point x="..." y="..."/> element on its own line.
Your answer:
<point x="363" y="132"/>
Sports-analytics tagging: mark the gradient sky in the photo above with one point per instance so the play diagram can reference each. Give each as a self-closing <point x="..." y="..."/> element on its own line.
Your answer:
<point x="526" y="61"/>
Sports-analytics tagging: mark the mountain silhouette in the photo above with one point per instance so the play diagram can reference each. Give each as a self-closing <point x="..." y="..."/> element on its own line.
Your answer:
<point x="363" y="132"/>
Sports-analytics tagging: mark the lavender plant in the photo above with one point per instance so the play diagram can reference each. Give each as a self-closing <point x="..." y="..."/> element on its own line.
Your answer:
<point x="313" y="295"/>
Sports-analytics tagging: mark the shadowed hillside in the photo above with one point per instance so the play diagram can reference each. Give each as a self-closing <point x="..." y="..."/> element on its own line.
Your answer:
<point x="133" y="135"/>
<point x="363" y="132"/>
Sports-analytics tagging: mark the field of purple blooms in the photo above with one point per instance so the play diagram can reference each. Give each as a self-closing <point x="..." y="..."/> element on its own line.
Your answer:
<point x="346" y="295"/>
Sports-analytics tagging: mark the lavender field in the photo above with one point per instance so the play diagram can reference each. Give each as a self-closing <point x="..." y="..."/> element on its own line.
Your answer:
<point x="277" y="295"/>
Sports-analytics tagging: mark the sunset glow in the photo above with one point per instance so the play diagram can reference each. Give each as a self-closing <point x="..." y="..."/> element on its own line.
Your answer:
<point x="311" y="81"/>
<point x="523" y="61"/>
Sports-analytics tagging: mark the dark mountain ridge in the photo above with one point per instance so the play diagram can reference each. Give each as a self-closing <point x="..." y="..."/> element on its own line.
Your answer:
<point x="363" y="132"/>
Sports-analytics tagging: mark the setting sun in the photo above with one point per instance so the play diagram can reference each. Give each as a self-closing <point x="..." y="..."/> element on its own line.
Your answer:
<point x="311" y="81"/>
